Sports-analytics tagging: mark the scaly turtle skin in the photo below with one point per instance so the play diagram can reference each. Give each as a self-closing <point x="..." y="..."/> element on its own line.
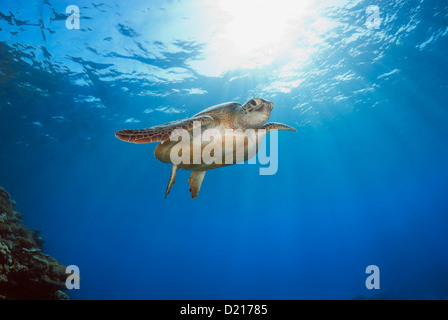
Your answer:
<point x="179" y="134"/>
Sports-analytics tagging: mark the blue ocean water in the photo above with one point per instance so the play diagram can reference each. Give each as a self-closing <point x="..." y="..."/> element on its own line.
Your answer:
<point x="362" y="182"/>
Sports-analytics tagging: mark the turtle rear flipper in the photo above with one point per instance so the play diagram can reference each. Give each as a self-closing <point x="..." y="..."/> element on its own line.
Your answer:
<point x="195" y="180"/>
<point x="161" y="132"/>
<point x="172" y="179"/>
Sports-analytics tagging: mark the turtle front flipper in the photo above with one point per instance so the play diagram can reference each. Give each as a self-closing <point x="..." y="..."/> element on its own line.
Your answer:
<point x="277" y="126"/>
<point x="161" y="132"/>
<point x="172" y="179"/>
<point x="195" y="180"/>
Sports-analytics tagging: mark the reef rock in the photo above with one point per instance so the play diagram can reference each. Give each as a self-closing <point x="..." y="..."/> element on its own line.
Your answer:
<point x="25" y="271"/>
<point x="6" y="204"/>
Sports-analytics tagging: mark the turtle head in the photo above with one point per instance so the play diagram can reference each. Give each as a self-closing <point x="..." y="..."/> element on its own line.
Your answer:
<point x="254" y="113"/>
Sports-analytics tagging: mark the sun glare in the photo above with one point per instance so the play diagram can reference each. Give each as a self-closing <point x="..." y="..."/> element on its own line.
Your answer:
<point x="253" y="32"/>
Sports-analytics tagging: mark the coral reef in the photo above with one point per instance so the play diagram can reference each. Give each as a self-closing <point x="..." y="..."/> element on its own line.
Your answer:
<point x="25" y="271"/>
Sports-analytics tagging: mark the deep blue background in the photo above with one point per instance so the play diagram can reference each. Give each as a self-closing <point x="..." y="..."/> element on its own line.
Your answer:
<point x="363" y="181"/>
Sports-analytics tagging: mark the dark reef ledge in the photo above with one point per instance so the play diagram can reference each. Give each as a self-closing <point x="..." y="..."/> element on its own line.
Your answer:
<point x="26" y="272"/>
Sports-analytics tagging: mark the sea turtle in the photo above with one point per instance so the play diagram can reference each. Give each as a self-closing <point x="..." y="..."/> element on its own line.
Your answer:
<point x="230" y="122"/>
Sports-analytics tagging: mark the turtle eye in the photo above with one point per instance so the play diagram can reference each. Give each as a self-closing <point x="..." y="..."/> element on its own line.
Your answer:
<point x="253" y="102"/>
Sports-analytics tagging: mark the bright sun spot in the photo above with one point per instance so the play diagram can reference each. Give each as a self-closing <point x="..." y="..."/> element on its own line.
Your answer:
<point x="250" y="33"/>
